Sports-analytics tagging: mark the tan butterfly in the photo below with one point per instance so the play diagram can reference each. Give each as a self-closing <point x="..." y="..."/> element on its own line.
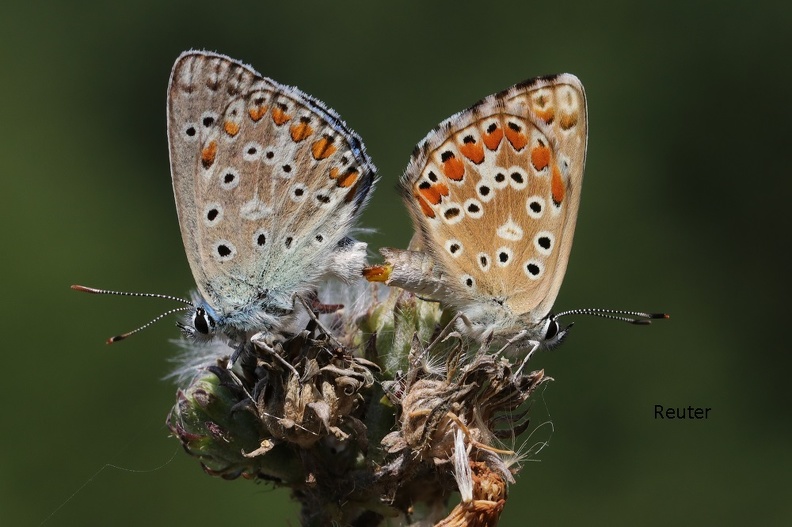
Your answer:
<point x="494" y="192"/>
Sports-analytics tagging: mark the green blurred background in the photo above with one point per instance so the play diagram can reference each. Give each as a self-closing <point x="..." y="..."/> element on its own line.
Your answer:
<point x="685" y="209"/>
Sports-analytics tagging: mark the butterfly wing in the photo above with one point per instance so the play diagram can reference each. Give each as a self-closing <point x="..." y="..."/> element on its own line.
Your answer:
<point x="494" y="192"/>
<point x="267" y="181"/>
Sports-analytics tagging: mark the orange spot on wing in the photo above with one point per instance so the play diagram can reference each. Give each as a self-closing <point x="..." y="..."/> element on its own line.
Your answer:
<point x="279" y="116"/>
<point x="322" y="149"/>
<point x="516" y="137"/>
<point x="543" y="108"/>
<point x="431" y="195"/>
<point x="377" y="273"/>
<point x="231" y="128"/>
<point x="557" y="186"/>
<point x="333" y="172"/>
<point x="540" y="157"/>
<point x="300" y="131"/>
<point x="568" y="120"/>
<point x="453" y="167"/>
<point x="347" y="179"/>
<point x="492" y="137"/>
<point x="546" y="114"/>
<point x="257" y="113"/>
<point x="208" y="154"/>
<point x="442" y="188"/>
<point x="472" y="151"/>
<point x="425" y="208"/>
<point x="352" y="192"/>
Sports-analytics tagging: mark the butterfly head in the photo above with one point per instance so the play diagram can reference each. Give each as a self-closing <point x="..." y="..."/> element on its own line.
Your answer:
<point x="200" y="320"/>
<point x="200" y="323"/>
<point x="267" y="311"/>
<point x="523" y="333"/>
<point x="552" y="333"/>
<point x="549" y="333"/>
<point x="519" y="334"/>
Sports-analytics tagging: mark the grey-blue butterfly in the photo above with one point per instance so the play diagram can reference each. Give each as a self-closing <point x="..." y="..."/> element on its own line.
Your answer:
<point x="268" y="182"/>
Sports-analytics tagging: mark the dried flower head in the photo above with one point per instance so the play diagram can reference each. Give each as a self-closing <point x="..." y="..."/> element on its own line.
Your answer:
<point x="316" y="412"/>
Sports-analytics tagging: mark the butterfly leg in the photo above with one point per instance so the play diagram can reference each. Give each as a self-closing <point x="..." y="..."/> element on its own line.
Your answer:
<point x="447" y="332"/>
<point x="235" y="356"/>
<point x="315" y="319"/>
<point x="239" y="351"/>
<point x="317" y="306"/>
<point x="534" y="347"/>
<point x="516" y="338"/>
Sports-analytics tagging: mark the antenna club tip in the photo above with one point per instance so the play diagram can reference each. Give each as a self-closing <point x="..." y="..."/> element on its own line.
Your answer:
<point x="82" y="288"/>
<point x="116" y="338"/>
<point x="650" y="317"/>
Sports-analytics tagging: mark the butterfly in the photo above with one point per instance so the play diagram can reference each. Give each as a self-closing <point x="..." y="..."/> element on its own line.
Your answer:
<point x="493" y="193"/>
<point x="268" y="182"/>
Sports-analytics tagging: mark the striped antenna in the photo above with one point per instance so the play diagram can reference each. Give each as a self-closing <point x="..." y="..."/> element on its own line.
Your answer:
<point x="95" y="291"/>
<point x="632" y="317"/>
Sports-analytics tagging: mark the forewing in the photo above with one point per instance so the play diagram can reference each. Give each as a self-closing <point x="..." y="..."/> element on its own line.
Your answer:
<point x="267" y="180"/>
<point x="494" y="193"/>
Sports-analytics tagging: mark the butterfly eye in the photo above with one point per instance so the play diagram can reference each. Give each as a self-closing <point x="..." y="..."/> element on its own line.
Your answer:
<point x="552" y="330"/>
<point x="203" y="322"/>
<point x="554" y="333"/>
